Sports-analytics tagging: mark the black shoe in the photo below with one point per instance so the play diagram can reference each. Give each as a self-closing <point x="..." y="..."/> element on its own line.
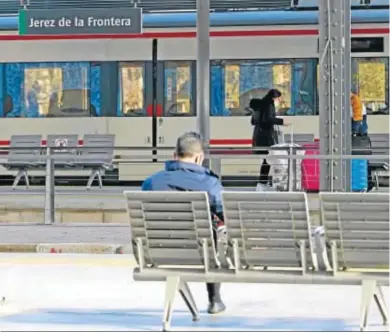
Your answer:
<point x="216" y="307"/>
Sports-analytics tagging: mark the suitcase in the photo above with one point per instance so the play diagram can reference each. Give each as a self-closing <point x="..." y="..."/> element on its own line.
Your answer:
<point x="361" y="145"/>
<point x="310" y="168"/>
<point x="359" y="167"/>
<point x="279" y="170"/>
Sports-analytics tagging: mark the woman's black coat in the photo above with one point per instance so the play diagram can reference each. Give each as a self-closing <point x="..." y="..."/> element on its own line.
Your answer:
<point x="264" y="119"/>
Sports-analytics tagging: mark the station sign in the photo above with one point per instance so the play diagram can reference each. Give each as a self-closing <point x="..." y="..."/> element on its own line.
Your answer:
<point x="80" y="21"/>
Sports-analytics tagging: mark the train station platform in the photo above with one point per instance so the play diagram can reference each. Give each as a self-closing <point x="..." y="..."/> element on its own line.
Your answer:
<point x="62" y="292"/>
<point x="92" y="221"/>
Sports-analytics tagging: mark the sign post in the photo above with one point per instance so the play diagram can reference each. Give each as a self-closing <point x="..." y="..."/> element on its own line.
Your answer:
<point x="80" y="21"/>
<point x="203" y="71"/>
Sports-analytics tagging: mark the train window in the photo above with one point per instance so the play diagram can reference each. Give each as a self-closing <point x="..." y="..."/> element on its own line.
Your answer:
<point x="235" y="83"/>
<point x="132" y="88"/>
<point x="370" y="79"/>
<point x="232" y="86"/>
<point x="95" y="89"/>
<point x="47" y="90"/>
<point x="282" y="81"/>
<point x="367" y="44"/>
<point x="178" y="89"/>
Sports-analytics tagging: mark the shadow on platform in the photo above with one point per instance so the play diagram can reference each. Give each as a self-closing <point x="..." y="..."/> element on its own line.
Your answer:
<point x="150" y="319"/>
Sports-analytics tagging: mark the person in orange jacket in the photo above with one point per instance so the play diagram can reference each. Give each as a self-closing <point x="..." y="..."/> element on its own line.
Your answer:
<point x="357" y="113"/>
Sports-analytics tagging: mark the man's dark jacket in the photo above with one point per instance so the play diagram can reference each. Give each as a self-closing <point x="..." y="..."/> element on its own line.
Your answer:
<point x="185" y="176"/>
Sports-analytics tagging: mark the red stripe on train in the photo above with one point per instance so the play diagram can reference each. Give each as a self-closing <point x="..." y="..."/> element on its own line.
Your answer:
<point x="221" y="142"/>
<point x="191" y="34"/>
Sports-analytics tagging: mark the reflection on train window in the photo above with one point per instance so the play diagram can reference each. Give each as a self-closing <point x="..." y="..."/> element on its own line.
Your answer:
<point x="282" y="81"/>
<point x="41" y="86"/>
<point x="371" y="81"/>
<point x="232" y="86"/>
<point x="178" y="89"/>
<point x="235" y="83"/>
<point x="47" y="90"/>
<point x="132" y="102"/>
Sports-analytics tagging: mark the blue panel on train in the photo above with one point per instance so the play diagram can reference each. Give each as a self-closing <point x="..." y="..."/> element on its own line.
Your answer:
<point x="250" y="18"/>
<point x="359" y="174"/>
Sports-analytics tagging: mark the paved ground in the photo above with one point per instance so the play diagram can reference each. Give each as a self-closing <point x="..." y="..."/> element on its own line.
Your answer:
<point x="97" y="293"/>
<point x="65" y="233"/>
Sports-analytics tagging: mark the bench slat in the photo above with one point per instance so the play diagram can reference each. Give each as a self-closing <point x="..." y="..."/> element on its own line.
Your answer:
<point x="175" y="256"/>
<point x="355" y="207"/>
<point x="261" y="225"/>
<point x="344" y="216"/>
<point x="378" y="259"/>
<point x="168" y="215"/>
<point x="270" y="257"/>
<point x="356" y="226"/>
<point x="265" y="215"/>
<point x="170" y="234"/>
<point x="271" y="234"/>
<point x="356" y="235"/>
<point x="268" y="243"/>
<point x="158" y="206"/>
<point x="269" y="206"/>
<point x="362" y="245"/>
<point x="169" y="225"/>
<point x="173" y="243"/>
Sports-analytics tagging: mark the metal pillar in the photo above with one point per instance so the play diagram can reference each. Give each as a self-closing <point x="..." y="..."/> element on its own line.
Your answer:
<point x="49" y="188"/>
<point x="334" y="91"/>
<point x="203" y="71"/>
<point x="347" y="138"/>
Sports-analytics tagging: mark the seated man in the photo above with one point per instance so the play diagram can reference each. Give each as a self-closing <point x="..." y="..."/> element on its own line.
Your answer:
<point x="186" y="173"/>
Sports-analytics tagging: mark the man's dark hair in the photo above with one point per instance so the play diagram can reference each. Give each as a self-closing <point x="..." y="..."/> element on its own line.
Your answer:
<point x="189" y="144"/>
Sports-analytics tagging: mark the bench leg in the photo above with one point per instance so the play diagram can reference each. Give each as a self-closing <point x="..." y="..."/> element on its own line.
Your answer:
<point x="172" y="285"/>
<point x="380" y="301"/>
<point x="99" y="176"/>
<point x="376" y="177"/>
<point x="368" y="291"/>
<point x="186" y="294"/>
<point x="94" y="173"/>
<point x="21" y="173"/>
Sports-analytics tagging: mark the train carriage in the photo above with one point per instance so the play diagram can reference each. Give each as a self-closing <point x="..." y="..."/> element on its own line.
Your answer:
<point x="142" y="88"/>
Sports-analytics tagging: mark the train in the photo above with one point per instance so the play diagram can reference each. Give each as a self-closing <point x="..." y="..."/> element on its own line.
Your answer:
<point x="142" y="87"/>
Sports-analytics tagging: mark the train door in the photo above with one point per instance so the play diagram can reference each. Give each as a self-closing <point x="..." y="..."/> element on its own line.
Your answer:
<point x="177" y="104"/>
<point x="134" y="127"/>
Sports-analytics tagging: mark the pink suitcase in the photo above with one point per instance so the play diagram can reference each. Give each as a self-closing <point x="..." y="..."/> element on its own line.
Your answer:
<point x="310" y="168"/>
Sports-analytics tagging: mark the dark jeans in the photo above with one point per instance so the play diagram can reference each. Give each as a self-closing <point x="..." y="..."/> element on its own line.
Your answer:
<point x="264" y="172"/>
<point x="214" y="289"/>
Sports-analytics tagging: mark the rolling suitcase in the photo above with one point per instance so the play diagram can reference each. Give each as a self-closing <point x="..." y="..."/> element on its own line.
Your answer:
<point x="361" y="145"/>
<point x="310" y="168"/>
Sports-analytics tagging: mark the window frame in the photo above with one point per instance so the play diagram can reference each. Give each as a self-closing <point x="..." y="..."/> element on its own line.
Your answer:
<point x="192" y="80"/>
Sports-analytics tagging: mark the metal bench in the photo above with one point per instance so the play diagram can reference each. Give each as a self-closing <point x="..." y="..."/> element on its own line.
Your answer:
<point x="173" y="241"/>
<point x="356" y="228"/>
<point x="299" y="138"/>
<point x="97" y="154"/>
<point x="380" y="145"/>
<point x="24" y="154"/>
<point x="269" y="240"/>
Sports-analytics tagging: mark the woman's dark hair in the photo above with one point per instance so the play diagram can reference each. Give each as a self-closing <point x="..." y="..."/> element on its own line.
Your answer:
<point x="273" y="94"/>
<point x="256" y="104"/>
